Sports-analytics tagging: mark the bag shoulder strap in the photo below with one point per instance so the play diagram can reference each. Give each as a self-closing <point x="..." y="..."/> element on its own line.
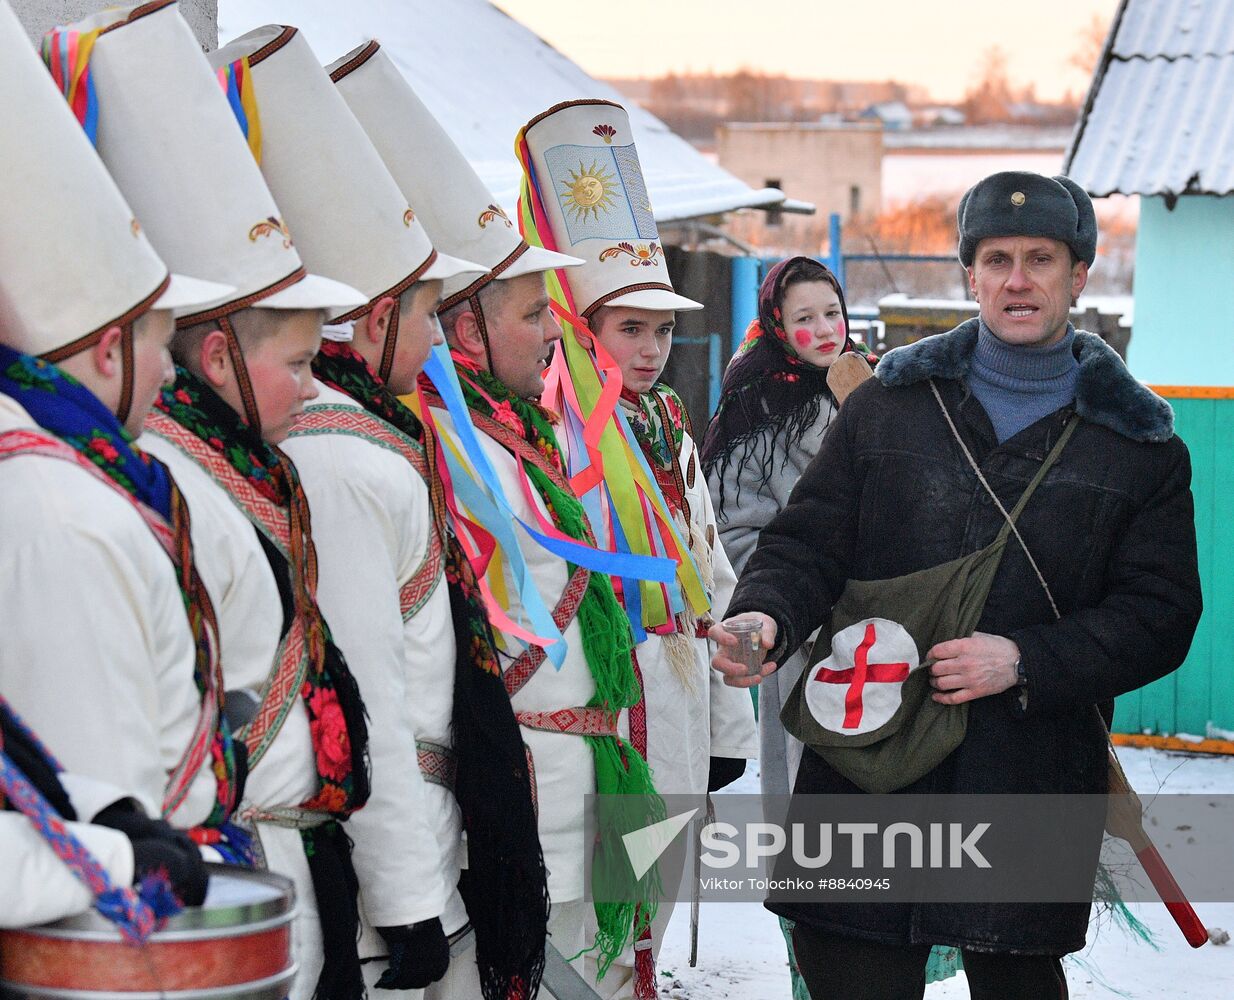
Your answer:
<point x="1011" y="518"/>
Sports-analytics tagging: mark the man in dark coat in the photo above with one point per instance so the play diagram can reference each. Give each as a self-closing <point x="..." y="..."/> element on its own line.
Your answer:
<point x="1111" y="529"/>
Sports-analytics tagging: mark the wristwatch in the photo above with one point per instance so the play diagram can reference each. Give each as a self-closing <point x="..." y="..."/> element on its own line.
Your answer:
<point x="1021" y="675"/>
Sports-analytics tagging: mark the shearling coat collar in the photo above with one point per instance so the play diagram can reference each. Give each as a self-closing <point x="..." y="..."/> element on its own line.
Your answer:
<point x="1106" y="392"/>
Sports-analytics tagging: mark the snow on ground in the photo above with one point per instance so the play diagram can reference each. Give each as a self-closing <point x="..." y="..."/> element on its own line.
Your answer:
<point x="742" y="957"/>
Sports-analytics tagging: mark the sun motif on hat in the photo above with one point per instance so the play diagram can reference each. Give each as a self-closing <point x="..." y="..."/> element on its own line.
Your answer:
<point x="589" y="190"/>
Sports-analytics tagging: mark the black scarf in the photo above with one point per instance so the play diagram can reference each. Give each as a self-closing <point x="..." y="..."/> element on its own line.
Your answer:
<point x="505" y="886"/>
<point x="32" y="762"/>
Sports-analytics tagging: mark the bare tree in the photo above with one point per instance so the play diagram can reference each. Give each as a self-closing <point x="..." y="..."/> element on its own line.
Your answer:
<point x="1090" y="42"/>
<point x="989" y="99"/>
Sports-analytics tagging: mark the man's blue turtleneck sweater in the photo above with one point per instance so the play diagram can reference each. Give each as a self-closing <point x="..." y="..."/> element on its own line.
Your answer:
<point x="1018" y="386"/>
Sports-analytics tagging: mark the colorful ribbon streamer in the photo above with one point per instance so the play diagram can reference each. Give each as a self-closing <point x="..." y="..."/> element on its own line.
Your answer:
<point x="606" y="465"/>
<point x="67" y="54"/>
<point x="237" y="82"/>
<point x="479" y="491"/>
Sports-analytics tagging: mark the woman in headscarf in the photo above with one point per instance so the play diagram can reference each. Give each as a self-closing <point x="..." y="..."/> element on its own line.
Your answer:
<point x="774" y="409"/>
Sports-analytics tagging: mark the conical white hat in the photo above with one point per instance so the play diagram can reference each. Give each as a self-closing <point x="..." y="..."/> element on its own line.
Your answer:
<point x="351" y="219"/>
<point x="73" y="259"/>
<point x="459" y="212"/>
<point x="171" y="140"/>
<point x="592" y="188"/>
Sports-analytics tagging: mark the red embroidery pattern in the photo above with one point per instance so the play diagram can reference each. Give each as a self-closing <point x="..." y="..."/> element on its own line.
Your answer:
<point x="582" y="721"/>
<point x="22" y="442"/>
<point x="437" y="763"/>
<point x="361" y="423"/>
<point x="528" y="662"/>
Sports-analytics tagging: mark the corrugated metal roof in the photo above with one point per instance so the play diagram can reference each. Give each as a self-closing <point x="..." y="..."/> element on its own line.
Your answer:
<point x="484" y="75"/>
<point x="1159" y="119"/>
<point x="1158" y="127"/>
<point x="1173" y="28"/>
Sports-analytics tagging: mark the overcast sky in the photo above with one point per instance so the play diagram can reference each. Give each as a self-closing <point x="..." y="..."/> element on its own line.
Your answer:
<point x="938" y="44"/>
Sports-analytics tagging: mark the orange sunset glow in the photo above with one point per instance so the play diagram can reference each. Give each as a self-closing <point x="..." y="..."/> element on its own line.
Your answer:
<point x="939" y="45"/>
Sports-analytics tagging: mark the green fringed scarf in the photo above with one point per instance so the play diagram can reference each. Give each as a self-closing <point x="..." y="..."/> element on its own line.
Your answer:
<point x="607" y="646"/>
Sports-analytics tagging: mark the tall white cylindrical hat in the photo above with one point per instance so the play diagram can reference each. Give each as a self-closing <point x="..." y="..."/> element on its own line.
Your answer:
<point x="587" y="173"/>
<point x="74" y="260"/>
<point x="351" y="219"/>
<point x="180" y="141"/>
<point x="459" y="212"/>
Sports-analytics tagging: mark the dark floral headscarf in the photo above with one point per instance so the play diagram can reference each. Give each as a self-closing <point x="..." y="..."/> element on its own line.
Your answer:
<point x="767" y="385"/>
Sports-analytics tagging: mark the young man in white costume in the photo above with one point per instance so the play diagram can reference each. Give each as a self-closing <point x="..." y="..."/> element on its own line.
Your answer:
<point x="587" y="179"/>
<point x="100" y="658"/>
<point x="501" y="333"/>
<point x="171" y="140"/>
<point x="379" y="550"/>
<point x="502" y="878"/>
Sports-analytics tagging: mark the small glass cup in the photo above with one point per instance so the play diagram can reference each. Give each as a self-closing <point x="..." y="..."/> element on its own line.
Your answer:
<point x="749" y="633"/>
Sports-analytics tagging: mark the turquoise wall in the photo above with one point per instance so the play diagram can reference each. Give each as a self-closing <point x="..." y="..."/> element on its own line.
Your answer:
<point x="1183" y="332"/>
<point x="1183" y="336"/>
<point x="1200" y="694"/>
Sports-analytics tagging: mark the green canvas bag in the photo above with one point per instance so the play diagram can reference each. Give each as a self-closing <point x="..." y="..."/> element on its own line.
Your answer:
<point x="863" y="704"/>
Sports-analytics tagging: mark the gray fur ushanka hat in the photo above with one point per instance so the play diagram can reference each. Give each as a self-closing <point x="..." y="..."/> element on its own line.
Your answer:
<point x="1020" y="203"/>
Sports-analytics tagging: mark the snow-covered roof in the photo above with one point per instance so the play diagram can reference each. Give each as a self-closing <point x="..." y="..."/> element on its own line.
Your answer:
<point x="1159" y="118"/>
<point x="894" y="113"/>
<point x="484" y="76"/>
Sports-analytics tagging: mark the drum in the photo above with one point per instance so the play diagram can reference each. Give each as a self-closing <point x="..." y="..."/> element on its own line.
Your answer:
<point x="236" y="946"/>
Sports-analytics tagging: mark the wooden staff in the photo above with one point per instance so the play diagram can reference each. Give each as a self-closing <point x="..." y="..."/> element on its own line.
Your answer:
<point x="1124" y="813"/>
<point x="1125" y="820"/>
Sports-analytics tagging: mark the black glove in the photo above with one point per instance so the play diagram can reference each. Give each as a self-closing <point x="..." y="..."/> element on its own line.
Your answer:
<point x="158" y="848"/>
<point x="419" y="955"/>
<point x="242" y="768"/>
<point x="724" y="771"/>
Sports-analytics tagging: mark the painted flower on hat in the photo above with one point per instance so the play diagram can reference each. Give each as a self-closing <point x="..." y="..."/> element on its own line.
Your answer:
<point x="643" y="255"/>
<point x="605" y="132"/>
<point x="492" y="214"/>
<point x="273" y="224"/>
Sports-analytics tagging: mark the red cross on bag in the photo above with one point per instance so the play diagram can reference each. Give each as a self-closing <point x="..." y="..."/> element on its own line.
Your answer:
<point x="861" y="674"/>
<point x="857" y="688"/>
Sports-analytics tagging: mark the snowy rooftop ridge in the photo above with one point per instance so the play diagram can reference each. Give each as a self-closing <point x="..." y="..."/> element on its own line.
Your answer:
<point x="484" y="75"/>
<point x="1159" y="118"/>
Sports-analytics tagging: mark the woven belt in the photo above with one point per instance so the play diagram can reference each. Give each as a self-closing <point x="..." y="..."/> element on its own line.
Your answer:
<point x="574" y="721"/>
<point x="288" y="817"/>
<point x="437" y="763"/>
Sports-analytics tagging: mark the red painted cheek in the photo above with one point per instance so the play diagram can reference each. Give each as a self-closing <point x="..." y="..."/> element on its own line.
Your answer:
<point x="841" y="329"/>
<point x="803" y="338"/>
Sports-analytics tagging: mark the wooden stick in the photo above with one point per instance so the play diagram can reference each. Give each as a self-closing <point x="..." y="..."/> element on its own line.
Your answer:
<point x="1125" y="820"/>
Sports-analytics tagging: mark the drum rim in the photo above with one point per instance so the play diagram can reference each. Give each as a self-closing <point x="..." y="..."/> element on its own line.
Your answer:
<point x="247" y="990"/>
<point x="193" y="923"/>
<point x="169" y="935"/>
